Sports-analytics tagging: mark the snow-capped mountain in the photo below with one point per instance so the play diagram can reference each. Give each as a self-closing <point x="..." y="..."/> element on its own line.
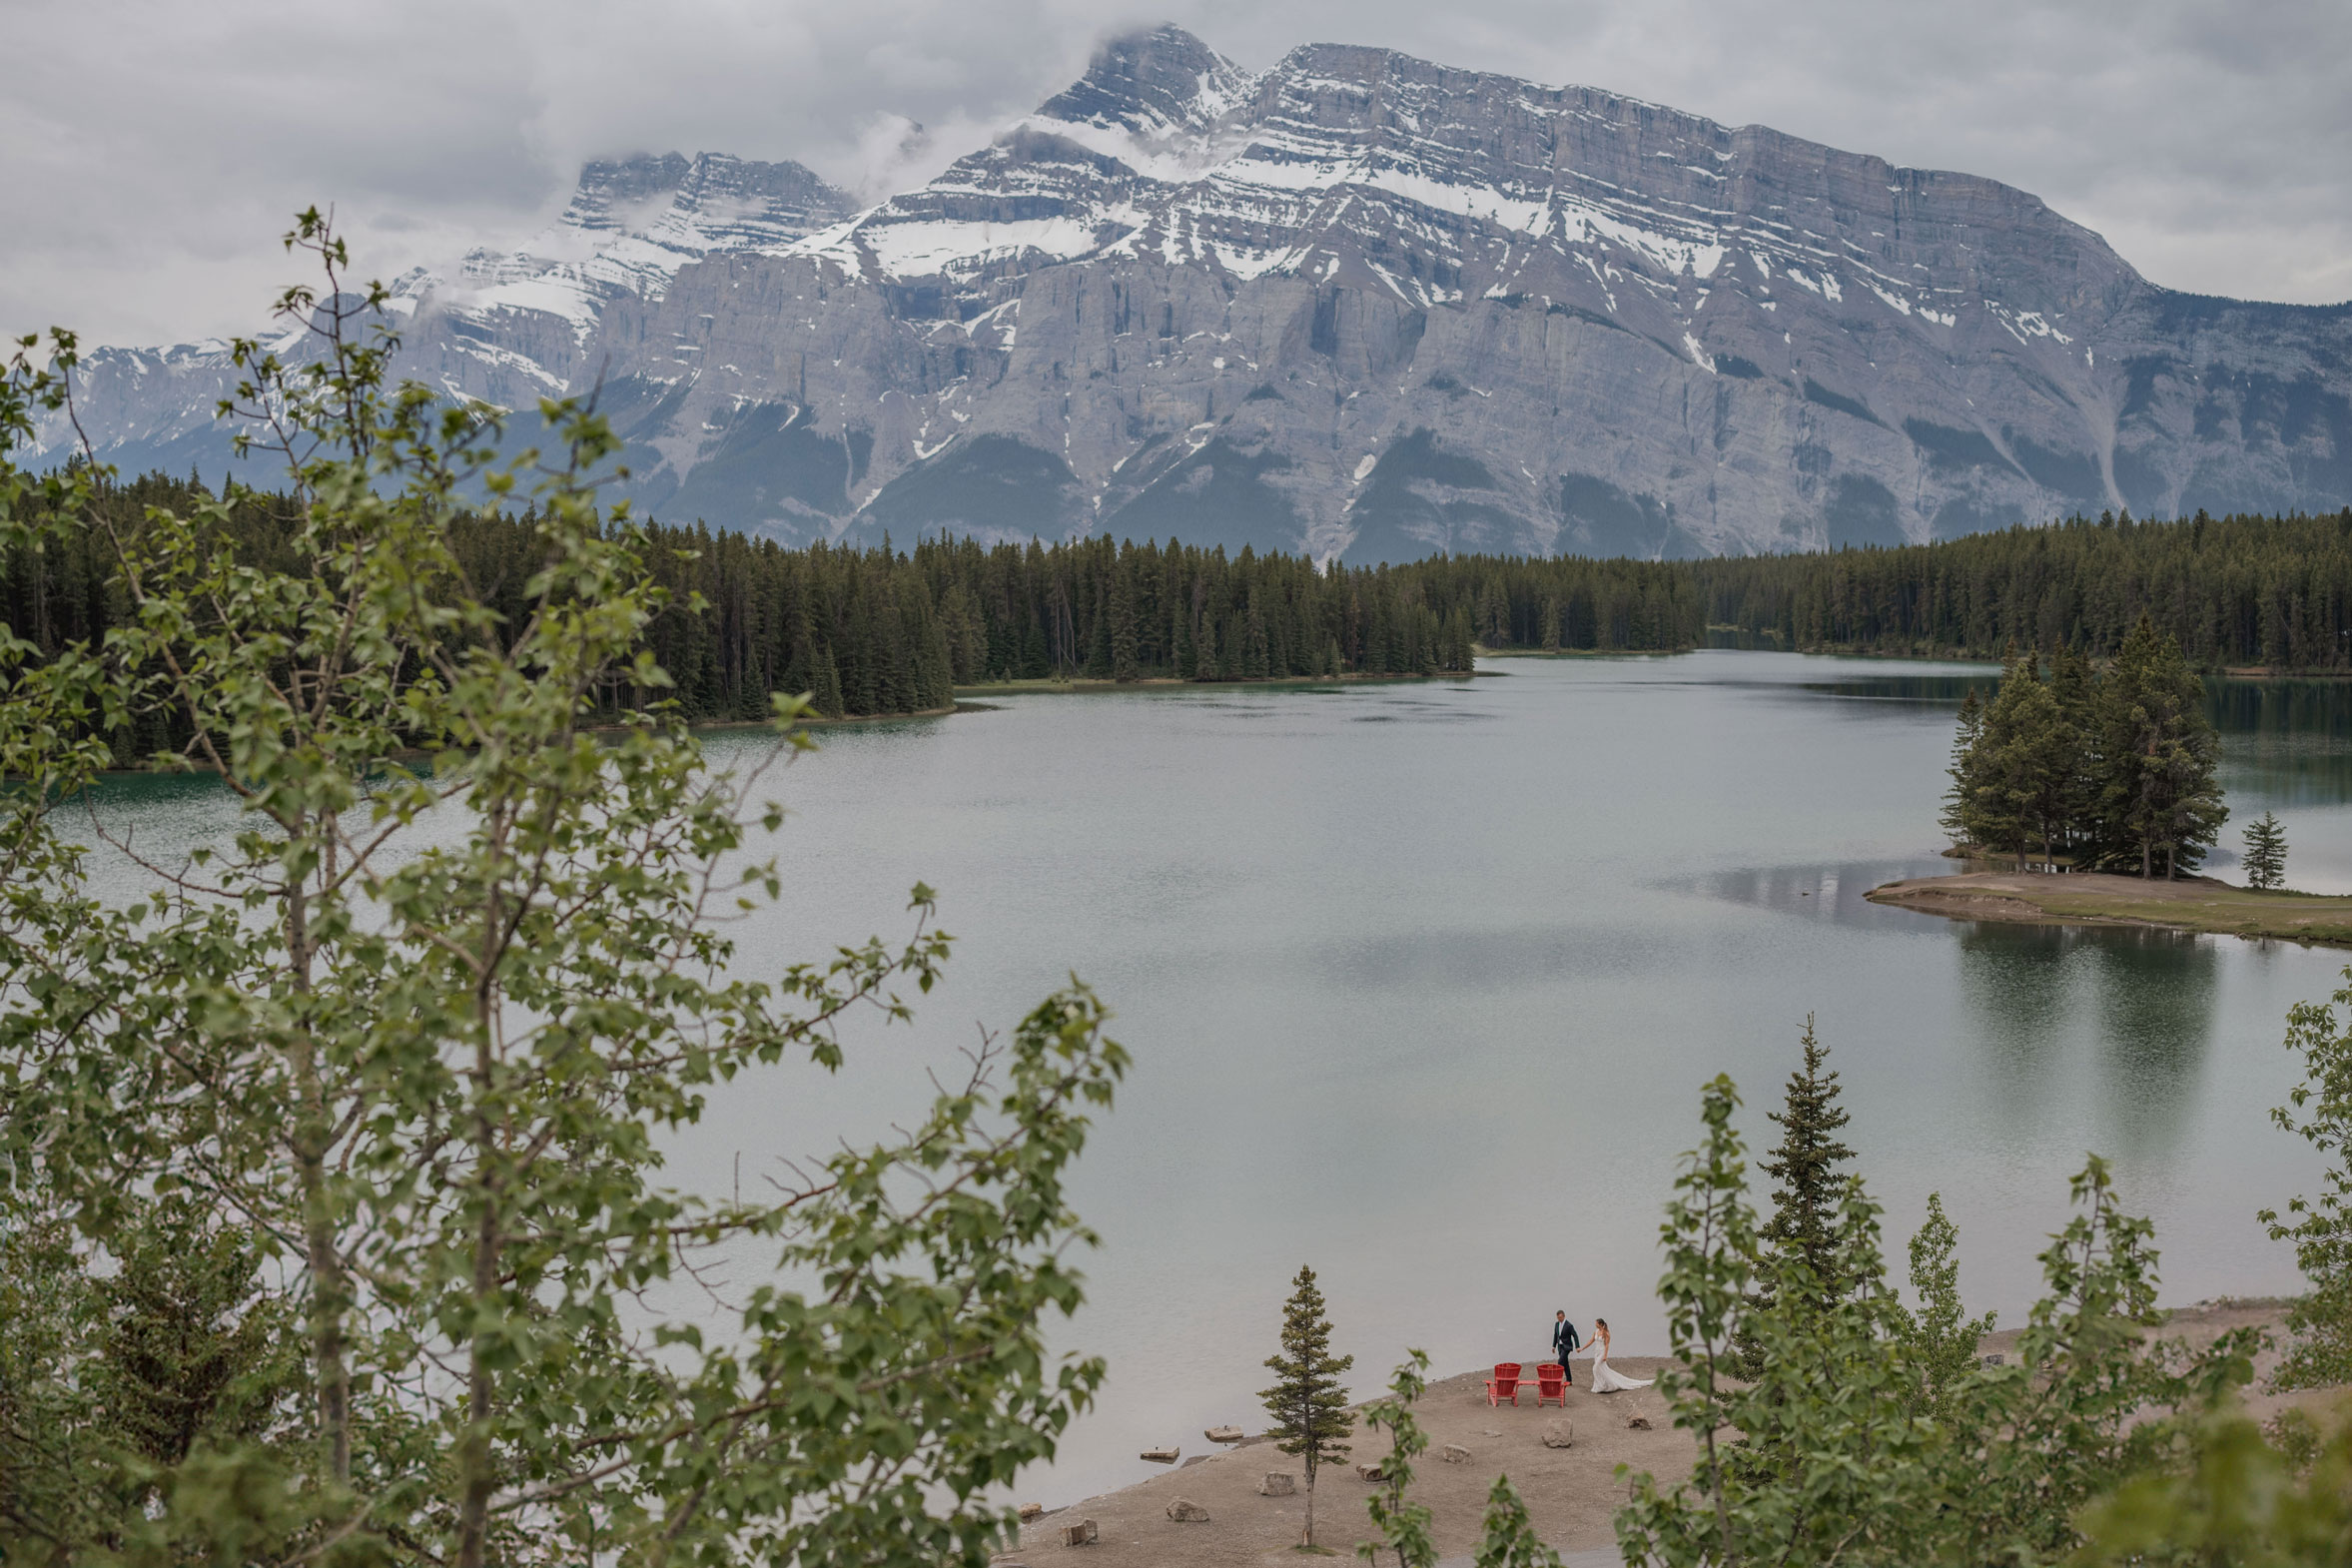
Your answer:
<point x="506" y="327"/>
<point x="1366" y="305"/>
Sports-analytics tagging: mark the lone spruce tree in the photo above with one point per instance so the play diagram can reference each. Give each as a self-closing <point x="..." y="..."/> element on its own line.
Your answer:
<point x="1812" y="1189"/>
<point x="2266" y="853"/>
<point x="1807" y="1203"/>
<point x="1809" y="1199"/>
<point x="1307" y="1403"/>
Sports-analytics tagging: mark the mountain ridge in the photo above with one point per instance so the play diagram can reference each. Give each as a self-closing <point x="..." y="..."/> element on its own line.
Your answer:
<point x="1370" y="306"/>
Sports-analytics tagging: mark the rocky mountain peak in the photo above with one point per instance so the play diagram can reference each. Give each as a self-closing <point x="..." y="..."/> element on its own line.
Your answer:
<point x="1367" y="306"/>
<point x="1149" y="83"/>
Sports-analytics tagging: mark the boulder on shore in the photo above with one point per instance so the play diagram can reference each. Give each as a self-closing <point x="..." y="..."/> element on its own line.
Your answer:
<point x="1278" y="1483"/>
<point x="1455" y="1453"/>
<point x="1083" y="1533"/>
<point x="1185" y="1512"/>
<point x="1031" y="1511"/>
<point x="1224" y="1434"/>
<point x="1559" y="1434"/>
<point x="1370" y="1472"/>
<point x="1166" y="1455"/>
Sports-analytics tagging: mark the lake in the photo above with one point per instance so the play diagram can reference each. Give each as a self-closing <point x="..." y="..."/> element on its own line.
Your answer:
<point x="1421" y="980"/>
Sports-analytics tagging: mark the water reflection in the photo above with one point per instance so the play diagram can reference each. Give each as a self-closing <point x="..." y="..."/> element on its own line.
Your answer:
<point x="1947" y="689"/>
<point x="2155" y="1004"/>
<point x="1836" y="894"/>
<point x="2144" y="999"/>
<point x="2018" y="991"/>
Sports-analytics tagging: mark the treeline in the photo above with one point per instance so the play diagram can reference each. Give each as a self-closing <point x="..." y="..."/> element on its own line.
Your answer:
<point x="2239" y="591"/>
<point x="879" y="631"/>
<point x="885" y="631"/>
<point x="2232" y="591"/>
<point x="2101" y="770"/>
<point x="876" y="632"/>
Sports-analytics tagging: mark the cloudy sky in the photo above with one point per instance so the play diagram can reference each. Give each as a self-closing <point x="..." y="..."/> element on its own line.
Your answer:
<point x="151" y="150"/>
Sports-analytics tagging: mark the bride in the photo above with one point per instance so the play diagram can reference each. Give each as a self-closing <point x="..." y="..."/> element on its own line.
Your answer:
<point x="1604" y="1380"/>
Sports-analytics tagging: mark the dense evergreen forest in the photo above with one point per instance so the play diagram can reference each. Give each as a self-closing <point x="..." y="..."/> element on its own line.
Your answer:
<point x="874" y="631"/>
<point x="2102" y="770"/>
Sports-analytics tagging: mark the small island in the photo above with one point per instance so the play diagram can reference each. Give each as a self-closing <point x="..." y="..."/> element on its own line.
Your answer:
<point x="2093" y="792"/>
<point x="2095" y="898"/>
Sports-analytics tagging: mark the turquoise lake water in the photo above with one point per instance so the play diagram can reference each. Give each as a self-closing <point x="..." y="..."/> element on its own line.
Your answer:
<point x="1421" y="982"/>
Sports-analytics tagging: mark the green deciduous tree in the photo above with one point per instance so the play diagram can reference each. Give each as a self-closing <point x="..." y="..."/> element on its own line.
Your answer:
<point x="1403" y="1525"/>
<point x="1307" y="1403"/>
<point x="1938" y="1337"/>
<point x="2236" y="1500"/>
<point x="1506" y="1538"/>
<point x="2319" y="1110"/>
<point x="424" y="1022"/>
<point x="2266" y="853"/>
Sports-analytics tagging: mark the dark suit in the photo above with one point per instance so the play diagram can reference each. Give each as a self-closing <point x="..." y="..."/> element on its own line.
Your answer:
<point x="1564" y="1340"/>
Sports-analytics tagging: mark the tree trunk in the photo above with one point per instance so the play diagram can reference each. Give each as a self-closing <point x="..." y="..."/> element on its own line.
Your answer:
<point x="1310" y="1538"/>
<point x="330" y="1290"/>
<point x="476" y="1471"/>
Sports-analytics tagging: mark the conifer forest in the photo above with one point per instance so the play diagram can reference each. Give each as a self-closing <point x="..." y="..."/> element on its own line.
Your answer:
<point x="883" y="630"/>
<point x="2090" y="769"/>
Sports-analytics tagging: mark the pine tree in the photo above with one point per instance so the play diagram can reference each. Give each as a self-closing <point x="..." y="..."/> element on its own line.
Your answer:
<point x="1804" y="1206"/>
<point x="2266" y="853"/>
<point x="1808" y="1201"/>
<point x="1098" y="665"/>
<point x="2158" y="755"/>
<point x="1124" y="630"/>
<point x="1035" y="663"/>
<point x="2076" y="689"/>
<point x="1307" y="1403"/>
<point x="827" y="692"/>
<point x="2024" y="756"/>
<point x="1959" y="817"/>
<point x="193" y="1347"/>
<point x="1205" y="666"/>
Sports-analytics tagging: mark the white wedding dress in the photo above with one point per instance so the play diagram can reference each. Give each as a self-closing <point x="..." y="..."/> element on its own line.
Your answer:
<point x="1605" y="1379"/>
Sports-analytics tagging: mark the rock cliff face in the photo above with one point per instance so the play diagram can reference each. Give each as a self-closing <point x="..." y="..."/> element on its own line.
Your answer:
<point x="1369" y="307"/>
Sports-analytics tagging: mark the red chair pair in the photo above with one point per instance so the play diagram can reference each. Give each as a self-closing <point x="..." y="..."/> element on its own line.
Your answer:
<point x="1551" y="1382"/>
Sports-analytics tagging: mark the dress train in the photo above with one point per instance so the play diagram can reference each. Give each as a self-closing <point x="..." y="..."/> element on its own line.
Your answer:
<point x="1605" y="1378"/>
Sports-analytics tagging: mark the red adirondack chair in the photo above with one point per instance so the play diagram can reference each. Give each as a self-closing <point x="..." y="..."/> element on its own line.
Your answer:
<point x="1505" y="1385"/>
<point x="1551" y="1382"/>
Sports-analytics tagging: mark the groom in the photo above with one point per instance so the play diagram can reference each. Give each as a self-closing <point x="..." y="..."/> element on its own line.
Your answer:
<point x="1564" y="1340"/>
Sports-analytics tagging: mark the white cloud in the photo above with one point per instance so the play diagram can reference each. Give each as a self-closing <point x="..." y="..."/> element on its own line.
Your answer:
<point x="154" y="150"/>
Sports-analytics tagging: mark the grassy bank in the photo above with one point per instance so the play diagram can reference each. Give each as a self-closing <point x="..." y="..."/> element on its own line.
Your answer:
<point x="2097" y="899"/>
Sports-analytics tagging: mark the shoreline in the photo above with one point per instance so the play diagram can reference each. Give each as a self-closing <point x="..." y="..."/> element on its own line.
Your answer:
<point x="1090" y="683"/>
<point x="2195" y="905"/>
<point x="1572" y="1493"/>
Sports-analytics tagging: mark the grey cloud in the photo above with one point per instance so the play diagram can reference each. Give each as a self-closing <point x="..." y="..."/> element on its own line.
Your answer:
<point x="153" y="151"/>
